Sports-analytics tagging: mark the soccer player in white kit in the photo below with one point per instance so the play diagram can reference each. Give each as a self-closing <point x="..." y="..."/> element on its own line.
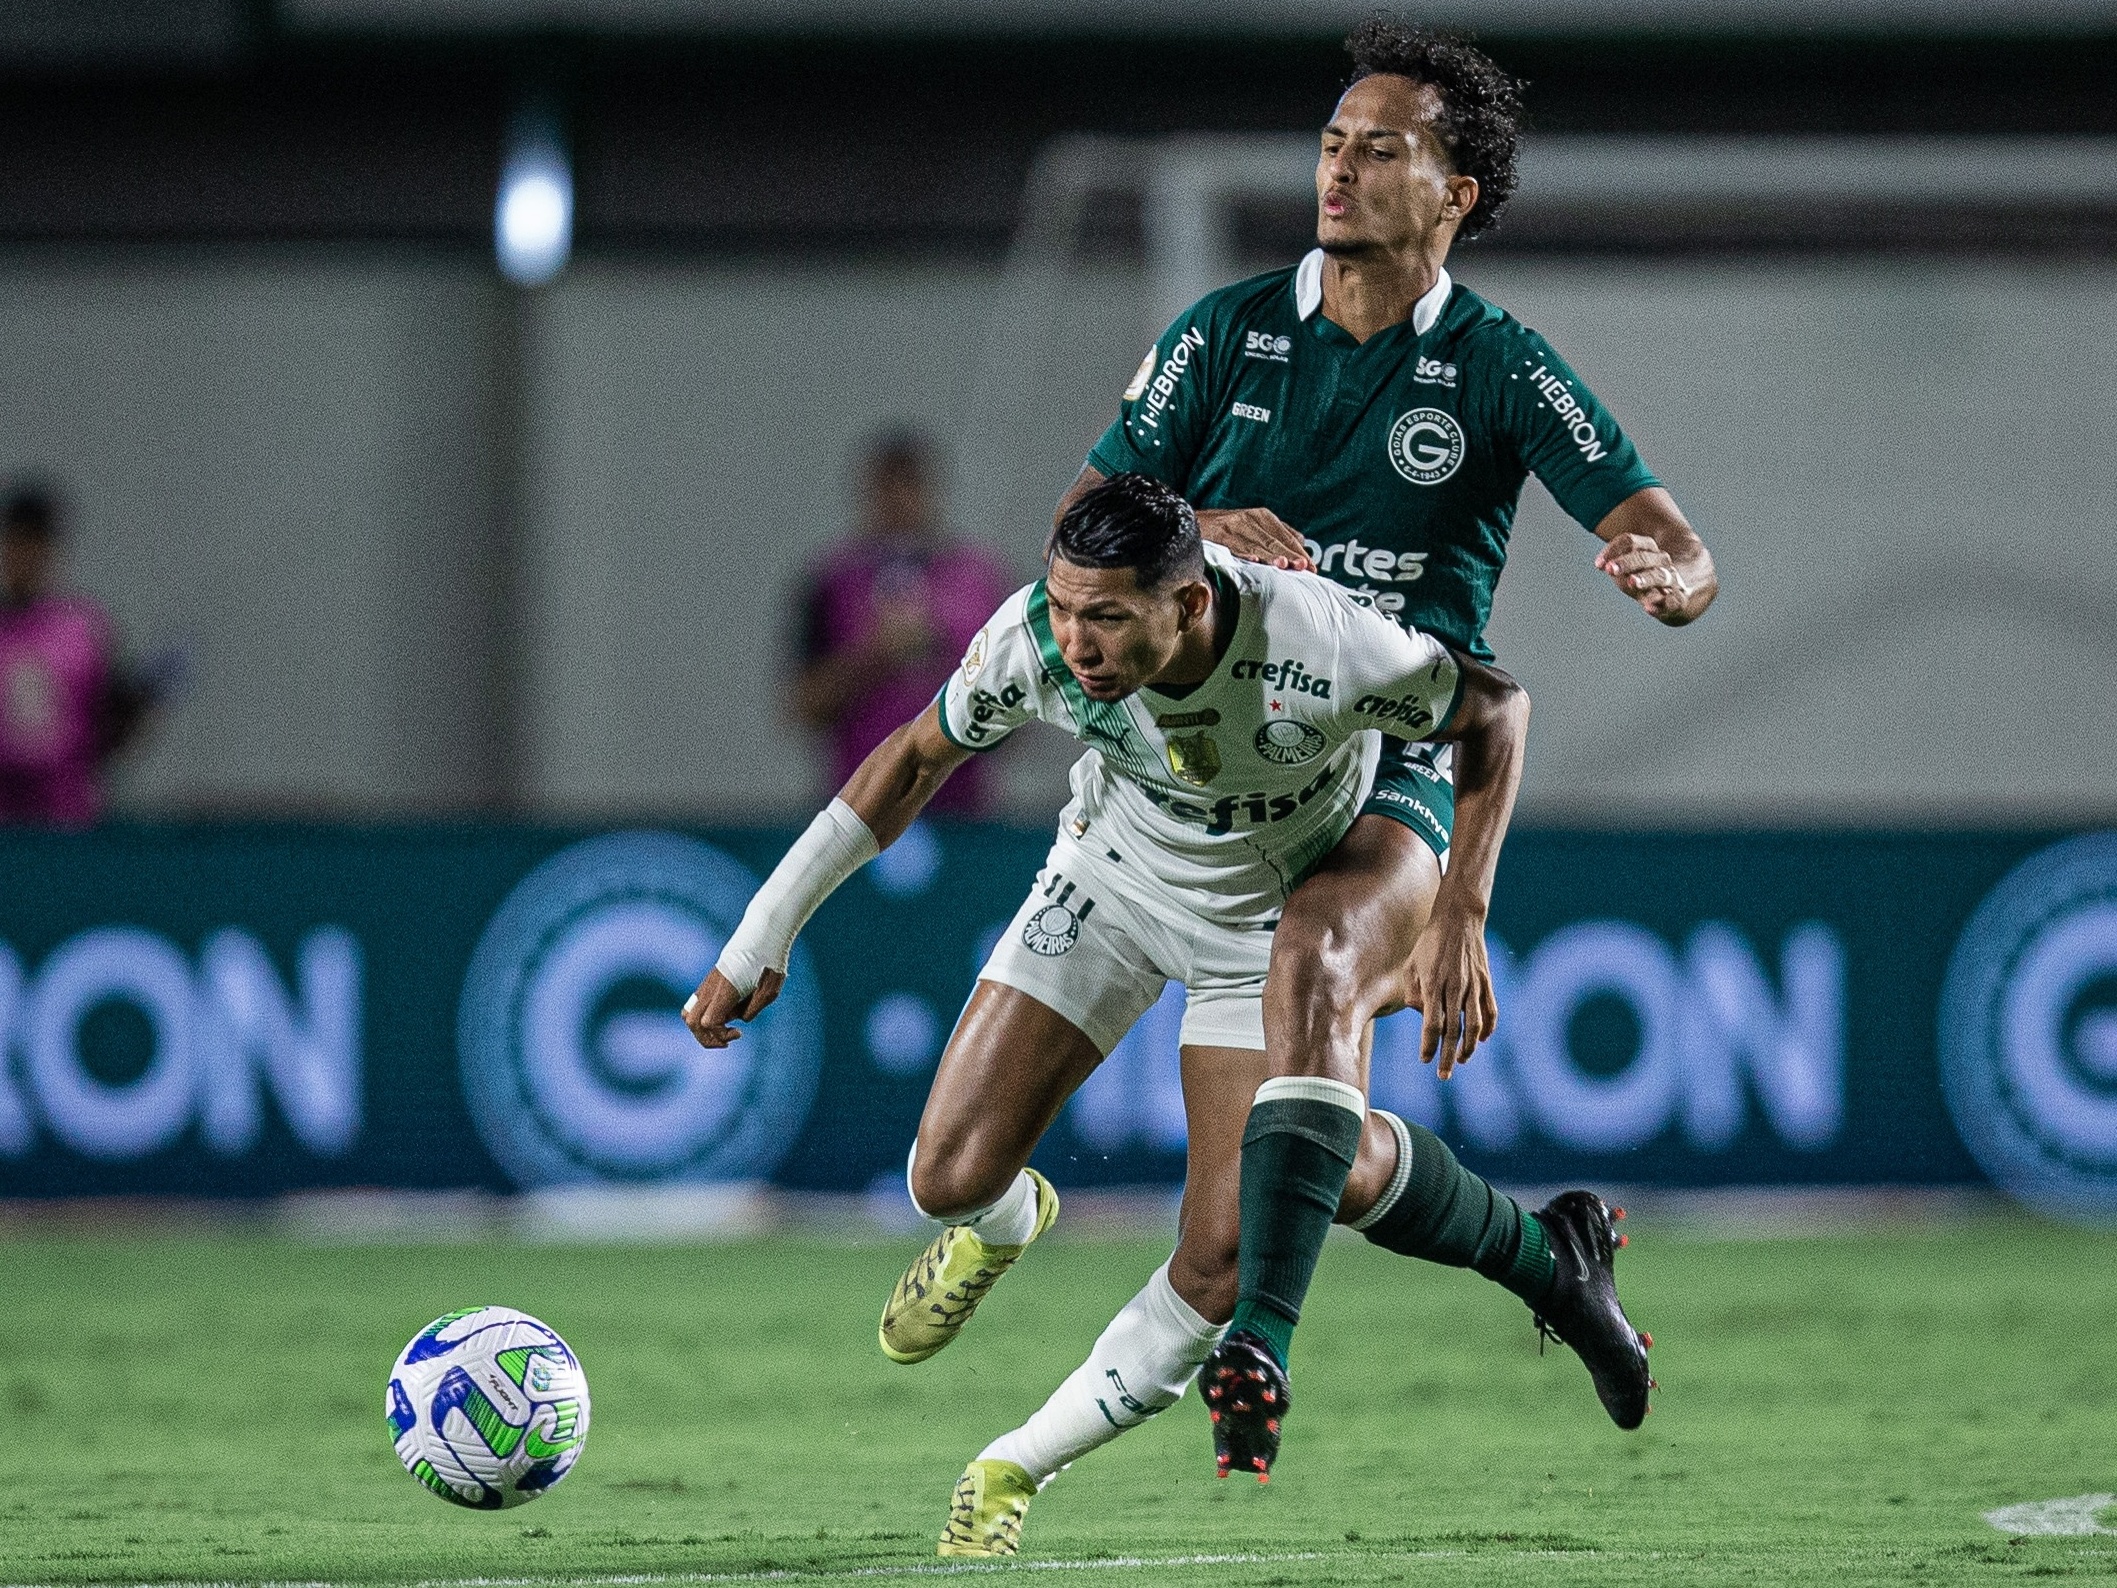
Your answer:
<point x="1229" y="711"/>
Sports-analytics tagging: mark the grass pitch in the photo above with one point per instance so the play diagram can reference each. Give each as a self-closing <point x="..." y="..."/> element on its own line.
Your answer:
<point x="1835" y="1410"/>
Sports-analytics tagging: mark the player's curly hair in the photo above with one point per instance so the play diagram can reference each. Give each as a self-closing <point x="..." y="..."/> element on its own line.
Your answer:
<point x="1480" y="124"/>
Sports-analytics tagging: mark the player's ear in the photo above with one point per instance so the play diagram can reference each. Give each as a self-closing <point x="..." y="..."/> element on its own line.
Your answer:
<point x="1195" y="597"/>
<point x="1461" y="198"/>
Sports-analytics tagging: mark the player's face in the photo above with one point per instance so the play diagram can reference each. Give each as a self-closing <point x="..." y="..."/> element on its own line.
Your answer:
<point x="25" y="567"/>
<point x="1382" y="181"/>
<point x="1114" y="636"/>
<point x="899" y="503"/>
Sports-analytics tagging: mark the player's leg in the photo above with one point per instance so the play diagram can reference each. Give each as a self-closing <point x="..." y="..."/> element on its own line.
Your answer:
<point x="1144" y="1360"/>
<point x="1428" y="1205"/>
<point x="1065" y="981"/>
<point x="1009" y="1067"/>
<point x="1337" y="958"/>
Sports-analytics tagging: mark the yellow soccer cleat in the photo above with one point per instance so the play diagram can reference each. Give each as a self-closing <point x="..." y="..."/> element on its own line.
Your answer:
<point x="945" y="1283"/>
<point x="986" y="1512"/>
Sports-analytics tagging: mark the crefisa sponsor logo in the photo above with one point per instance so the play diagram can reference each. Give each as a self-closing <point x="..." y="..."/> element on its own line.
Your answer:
<point x="577" y="1067"/>
<point x="2028" y="1030"/>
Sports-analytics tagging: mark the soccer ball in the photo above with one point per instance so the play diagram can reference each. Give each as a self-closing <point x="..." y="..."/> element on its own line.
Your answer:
<point x="488" y="1408"/>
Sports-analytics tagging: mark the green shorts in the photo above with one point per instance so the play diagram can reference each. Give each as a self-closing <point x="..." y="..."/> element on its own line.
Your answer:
<point x="1415" y="785"/>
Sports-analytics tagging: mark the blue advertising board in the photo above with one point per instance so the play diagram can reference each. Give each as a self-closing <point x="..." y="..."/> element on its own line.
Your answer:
<point x="244" y="1011"/>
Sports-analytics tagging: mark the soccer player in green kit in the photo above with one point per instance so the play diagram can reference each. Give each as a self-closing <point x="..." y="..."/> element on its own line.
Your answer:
<point x="1363" y="415"/>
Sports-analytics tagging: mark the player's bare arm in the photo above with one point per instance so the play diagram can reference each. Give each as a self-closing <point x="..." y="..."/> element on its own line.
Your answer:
<point x="1656" y="558"/>
<point x="1449" y="979"/>
<point x="886" y="794"/>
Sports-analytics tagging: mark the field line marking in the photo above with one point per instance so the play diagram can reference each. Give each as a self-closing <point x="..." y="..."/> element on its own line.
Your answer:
<point x="809" y="1574"/>
<point x="2068" y="1518"/>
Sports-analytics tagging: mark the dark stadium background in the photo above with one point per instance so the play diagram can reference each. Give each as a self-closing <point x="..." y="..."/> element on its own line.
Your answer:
<point x="459" y="573"/>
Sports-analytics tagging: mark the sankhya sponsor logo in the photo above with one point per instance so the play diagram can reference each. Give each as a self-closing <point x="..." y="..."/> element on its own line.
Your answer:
<point x="577" y="1067"/>
<point x="1426" y="445"/>
<point x="1267" y="346"/>
<point x="2028" y="1030"/>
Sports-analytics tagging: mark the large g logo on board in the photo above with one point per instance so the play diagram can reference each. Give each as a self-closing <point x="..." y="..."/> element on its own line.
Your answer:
<point x="2028" y="1030"/>
<point x="576" y="1065"/>
<point x="1426" y="445"/>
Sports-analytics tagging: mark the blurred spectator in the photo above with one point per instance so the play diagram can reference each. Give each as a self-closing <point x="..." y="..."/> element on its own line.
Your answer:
<point x="65" y="706"/>
<point x="886" y="615"/>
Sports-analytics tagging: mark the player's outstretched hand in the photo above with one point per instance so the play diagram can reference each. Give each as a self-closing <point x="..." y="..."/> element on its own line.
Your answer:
<point x="1257" y="534"/>
<point x="1449" y="981"/>
<point x="710" y="1011"/>
<point x="1646" y="573"/>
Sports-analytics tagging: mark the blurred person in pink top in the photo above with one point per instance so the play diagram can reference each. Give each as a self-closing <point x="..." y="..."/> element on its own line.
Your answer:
<point x="65" y="706"/>
<point x="885" y="615"/>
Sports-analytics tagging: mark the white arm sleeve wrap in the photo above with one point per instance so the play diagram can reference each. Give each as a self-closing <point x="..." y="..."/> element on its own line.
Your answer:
<point x="837" y="844"/>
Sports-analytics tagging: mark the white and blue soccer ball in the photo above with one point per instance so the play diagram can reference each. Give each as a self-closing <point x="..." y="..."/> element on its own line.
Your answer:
<point x="488" y="1408"/>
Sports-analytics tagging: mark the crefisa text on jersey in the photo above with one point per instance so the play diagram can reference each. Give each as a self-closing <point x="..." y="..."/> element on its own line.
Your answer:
<point x="1258" y="808"/>
<point x="1288" y="675"/>
<point x="985" y="705"/>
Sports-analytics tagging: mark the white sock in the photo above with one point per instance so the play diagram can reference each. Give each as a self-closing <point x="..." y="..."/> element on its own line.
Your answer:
<point x="1141" y="1365"/>
<point x="1009" y="1221"/>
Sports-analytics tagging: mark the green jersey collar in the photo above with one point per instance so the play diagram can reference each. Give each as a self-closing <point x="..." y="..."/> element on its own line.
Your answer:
<point x="1308" y="294"/>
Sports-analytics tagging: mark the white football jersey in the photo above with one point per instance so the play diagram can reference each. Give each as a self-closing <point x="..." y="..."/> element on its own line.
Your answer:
<point x="1231" y="789"/>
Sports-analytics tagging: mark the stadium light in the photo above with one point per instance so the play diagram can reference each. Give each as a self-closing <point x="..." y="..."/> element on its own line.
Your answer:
<point x="533" y="214"/>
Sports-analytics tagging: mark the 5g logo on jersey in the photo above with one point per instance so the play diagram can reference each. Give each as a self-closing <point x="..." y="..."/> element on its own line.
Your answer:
<point x="1426" y="445"/>
<point x="1263" y="344"/>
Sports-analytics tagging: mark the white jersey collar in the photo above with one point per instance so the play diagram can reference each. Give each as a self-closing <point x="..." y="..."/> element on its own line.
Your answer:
<point x="1308" y="293"/>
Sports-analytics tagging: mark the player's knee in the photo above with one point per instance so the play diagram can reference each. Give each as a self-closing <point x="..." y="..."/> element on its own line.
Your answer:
<point x="1318" y="981"/>
<point x="946" y="1185"/>
<point x="1316" y="954"/>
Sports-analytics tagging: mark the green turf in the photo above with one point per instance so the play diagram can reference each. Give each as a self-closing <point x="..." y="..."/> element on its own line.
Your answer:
<point x="1835" y="1410"/>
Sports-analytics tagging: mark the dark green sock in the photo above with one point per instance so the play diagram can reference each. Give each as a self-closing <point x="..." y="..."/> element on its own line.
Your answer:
<point x="1446" y="1214"/>
<point x="1296" y="1154"/>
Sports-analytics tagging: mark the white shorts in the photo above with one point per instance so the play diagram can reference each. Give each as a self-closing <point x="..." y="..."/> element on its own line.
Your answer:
<point x="1098" y="946"/>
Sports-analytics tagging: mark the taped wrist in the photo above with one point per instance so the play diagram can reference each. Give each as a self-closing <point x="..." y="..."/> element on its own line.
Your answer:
<point x="837" y="844"/>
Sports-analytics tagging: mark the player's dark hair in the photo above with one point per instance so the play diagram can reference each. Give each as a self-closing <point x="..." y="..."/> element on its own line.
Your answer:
<point x="32" y="513"/>
<point x="1131" y="521"/>
<point x="901" y="450"/>
<point x="1480" y="121"/>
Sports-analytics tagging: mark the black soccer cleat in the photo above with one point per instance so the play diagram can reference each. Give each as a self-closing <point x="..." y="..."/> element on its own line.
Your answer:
<point x="1582" y="1310"/>
<point x="1246" y="1395"/>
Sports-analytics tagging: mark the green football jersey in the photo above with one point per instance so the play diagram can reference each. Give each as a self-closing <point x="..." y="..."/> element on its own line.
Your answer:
<point x="1401" y="459"/>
